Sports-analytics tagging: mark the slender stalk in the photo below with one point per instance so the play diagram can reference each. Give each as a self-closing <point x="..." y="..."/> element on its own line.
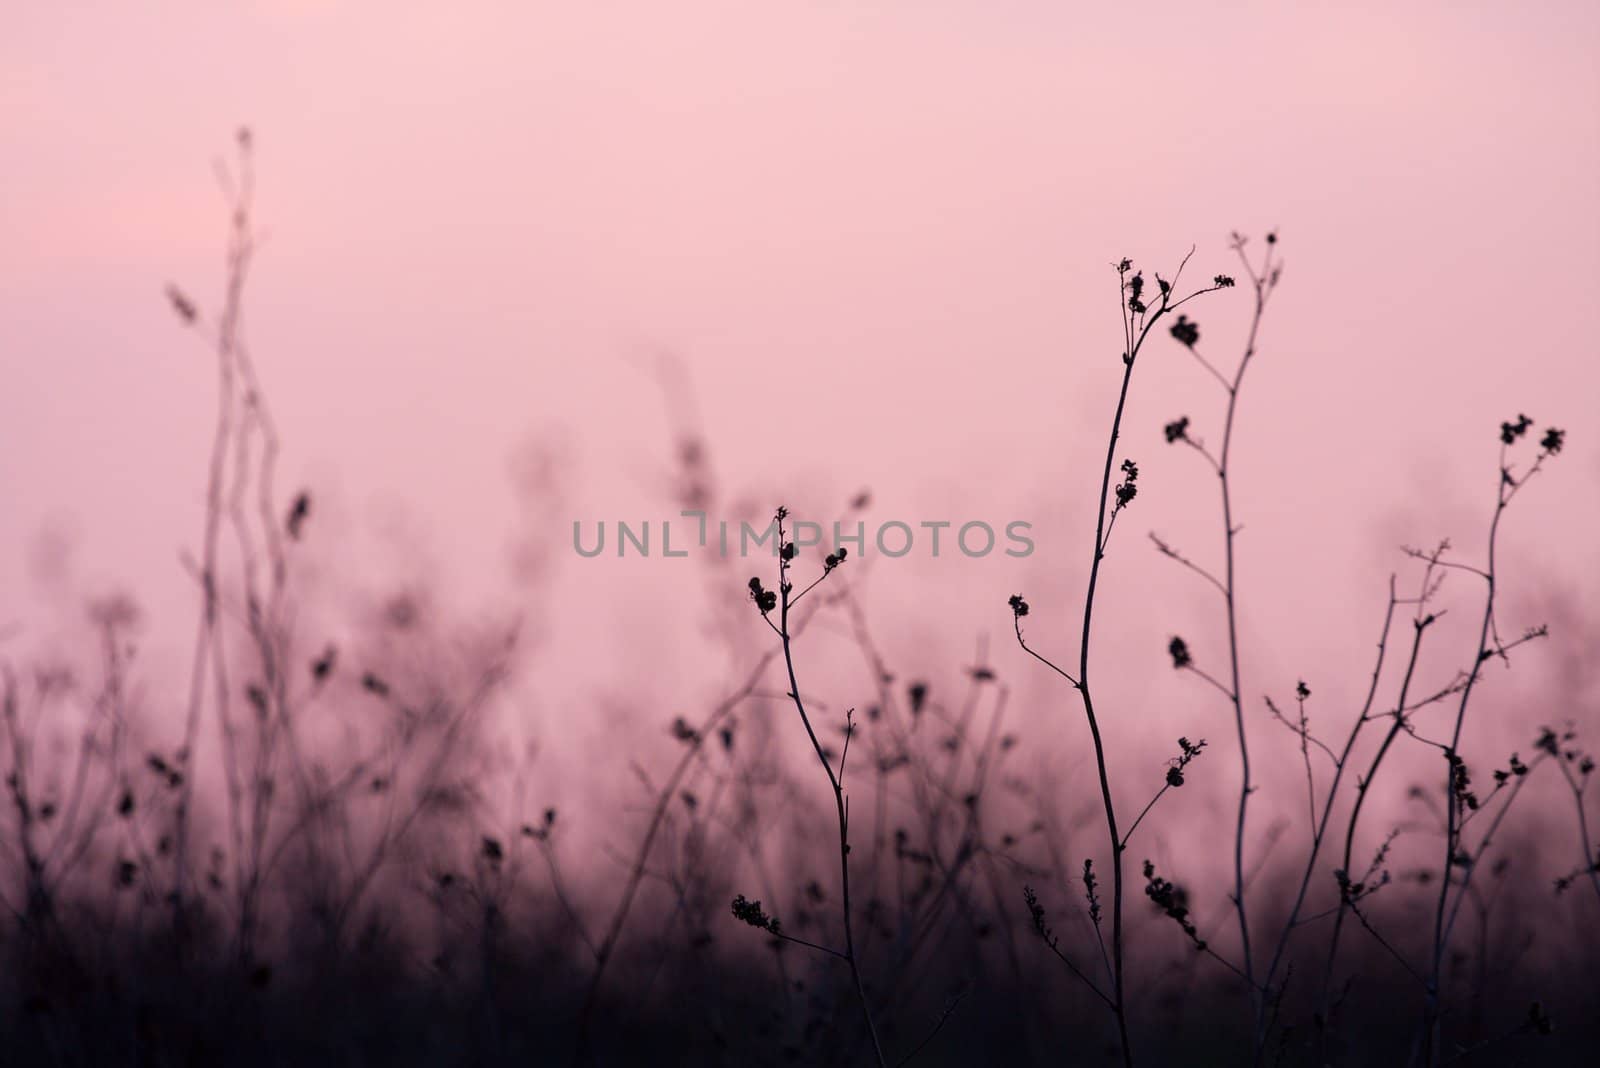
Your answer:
<point x="1320" y="827"/>
<point x="836" y="782"/>
<point x="1118" y="989"/>
<point x="1262" y="284"/>
<point x="1506" y="488"/>
<point x="1231" y="600"/>
<point x="1137" y="321"/>
<point x="208" y="647"/>
<point x="1363" y="787"/>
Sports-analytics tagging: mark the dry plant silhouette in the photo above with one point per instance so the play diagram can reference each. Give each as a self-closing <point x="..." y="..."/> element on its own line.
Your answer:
<point x="324" y="857"/>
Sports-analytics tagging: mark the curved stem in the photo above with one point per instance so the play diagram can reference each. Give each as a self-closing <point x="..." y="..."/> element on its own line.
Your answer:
<point x="1452" y="830"/>
<point x="1363" y="786"/>
<point x="1118" y="996"/>
<point x="841" y="803"/>
<point x="1263" y="287"/>
<point x="1320" y="827"/>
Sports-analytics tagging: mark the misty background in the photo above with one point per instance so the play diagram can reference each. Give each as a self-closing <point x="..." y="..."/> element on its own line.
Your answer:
<point x="519" y="268"/>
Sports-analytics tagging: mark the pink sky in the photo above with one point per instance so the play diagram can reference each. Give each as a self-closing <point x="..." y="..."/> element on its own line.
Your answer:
<point x="877" y="234"/>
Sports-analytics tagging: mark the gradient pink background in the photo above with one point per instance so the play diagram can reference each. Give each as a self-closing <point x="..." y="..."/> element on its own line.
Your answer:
<point x="877" y="235"/>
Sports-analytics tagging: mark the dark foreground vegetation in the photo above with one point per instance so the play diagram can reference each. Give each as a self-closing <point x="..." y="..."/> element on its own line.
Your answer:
<point x="295" y="860"/>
